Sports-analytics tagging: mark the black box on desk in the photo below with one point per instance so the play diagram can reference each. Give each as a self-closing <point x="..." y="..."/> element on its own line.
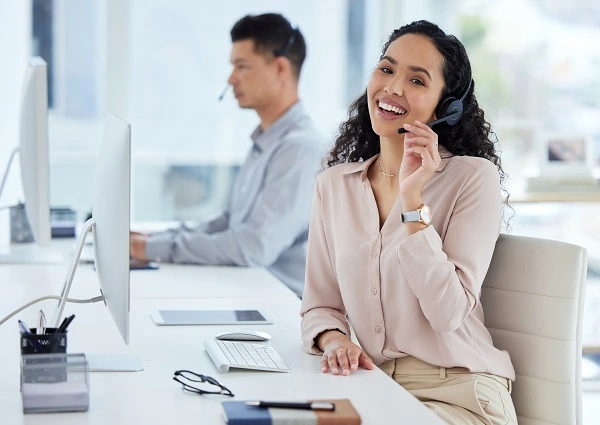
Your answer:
<point x="63" y="222"/>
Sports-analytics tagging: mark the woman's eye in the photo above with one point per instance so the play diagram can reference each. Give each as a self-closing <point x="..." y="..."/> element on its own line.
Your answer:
<point x="417" y="82"/>
<point x="385" y="70"/>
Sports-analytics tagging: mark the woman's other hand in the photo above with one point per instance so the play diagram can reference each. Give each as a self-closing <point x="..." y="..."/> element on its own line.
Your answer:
<point x="340" y="354"/>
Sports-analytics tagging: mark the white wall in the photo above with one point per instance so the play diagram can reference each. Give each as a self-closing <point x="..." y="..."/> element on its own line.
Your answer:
<point x="15" y="45"/>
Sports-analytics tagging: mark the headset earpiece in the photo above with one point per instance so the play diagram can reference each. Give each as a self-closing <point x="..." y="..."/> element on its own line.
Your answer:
<point x="450" y="108"/>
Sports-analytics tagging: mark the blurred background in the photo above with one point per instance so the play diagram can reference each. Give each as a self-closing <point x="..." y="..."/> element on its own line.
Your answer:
<point x="162" y="65"/>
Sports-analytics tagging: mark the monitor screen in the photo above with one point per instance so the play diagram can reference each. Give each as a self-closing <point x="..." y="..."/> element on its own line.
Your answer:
<point x="110" y="211"/>
<point x="109" y="224"/>
<point x="34" y="222"/>
<point x="33" y="150"/>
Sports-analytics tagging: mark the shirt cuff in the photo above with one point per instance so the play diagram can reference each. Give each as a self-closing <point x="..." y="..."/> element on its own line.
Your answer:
<point x="312" y="331"/>
<point x="159" y="247"/>
<point x="413" y="245"/>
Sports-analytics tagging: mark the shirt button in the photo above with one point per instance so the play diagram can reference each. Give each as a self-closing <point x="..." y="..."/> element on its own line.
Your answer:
<point x="374" y="291"/>
<point x="374" y="254"/>
<point x="378" y="329"/>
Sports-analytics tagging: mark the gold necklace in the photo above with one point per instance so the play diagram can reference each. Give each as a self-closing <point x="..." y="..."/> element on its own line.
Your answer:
<point x="383" y="172"/>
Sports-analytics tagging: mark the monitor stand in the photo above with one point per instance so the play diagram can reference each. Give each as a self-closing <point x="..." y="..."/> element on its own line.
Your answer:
<point x="96" y="362"/>
<point x="114" y="363"/>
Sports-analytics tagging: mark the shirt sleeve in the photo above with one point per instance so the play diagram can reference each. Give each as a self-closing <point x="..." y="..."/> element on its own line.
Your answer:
<point x="216" y="224"/>
<point x="278" y="215"/>
<point x="446" y="274"/>
<point x="322" y="306"/>
<point x="159" y="246"/>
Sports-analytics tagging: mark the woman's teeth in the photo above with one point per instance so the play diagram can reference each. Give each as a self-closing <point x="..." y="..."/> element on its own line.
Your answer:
<point x="391" y="108"/>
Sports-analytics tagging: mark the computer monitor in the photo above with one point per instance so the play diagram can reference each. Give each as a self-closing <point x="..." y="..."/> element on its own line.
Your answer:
<point x="34" y="161"/>
<point x="109" y="225"/>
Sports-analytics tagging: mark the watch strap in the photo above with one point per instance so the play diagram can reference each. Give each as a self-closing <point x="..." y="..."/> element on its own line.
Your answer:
<point x="411" y="216"/>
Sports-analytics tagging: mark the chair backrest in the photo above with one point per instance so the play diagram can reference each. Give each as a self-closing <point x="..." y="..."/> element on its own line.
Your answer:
<point x="532" y="299"/>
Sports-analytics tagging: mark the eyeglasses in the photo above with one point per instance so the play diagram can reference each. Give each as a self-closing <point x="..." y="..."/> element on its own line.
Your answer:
<point x="194" y="377"/>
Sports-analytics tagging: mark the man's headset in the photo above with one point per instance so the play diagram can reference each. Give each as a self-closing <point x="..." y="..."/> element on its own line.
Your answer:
<point x="284" y="51"/>
<point x="450" y="110"/>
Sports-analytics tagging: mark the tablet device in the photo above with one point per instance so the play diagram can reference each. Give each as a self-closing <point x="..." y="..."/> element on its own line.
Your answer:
<point x="209" y="317"/>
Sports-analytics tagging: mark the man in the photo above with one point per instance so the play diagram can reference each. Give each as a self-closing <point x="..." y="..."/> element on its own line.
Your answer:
<point x="267" y="220"/>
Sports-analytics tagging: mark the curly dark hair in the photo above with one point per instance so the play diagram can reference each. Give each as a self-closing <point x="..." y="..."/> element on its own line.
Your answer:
<point x="471" y="136"/>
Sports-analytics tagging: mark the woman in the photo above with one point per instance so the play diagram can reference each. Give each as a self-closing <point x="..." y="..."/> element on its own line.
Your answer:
<point x="402" y="233"/>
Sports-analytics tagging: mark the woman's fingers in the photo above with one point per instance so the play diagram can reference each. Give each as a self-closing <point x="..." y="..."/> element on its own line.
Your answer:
<point x="324" y="364"/>
<point x="343" y="360"/>
<point x="365" y="361"/>
<point x="430" y="147"/>
<point x="354" y="355"/>
<point x="332" y="362"/>
<point x="419" y="129"/>
<point x="422" y="134"/>
<point x="422" y="152"/>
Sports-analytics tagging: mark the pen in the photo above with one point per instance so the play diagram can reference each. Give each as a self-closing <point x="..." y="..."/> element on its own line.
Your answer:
<point x="34" y="343"/>
<point x="24" y="328"/>
<point x="41" y="326"/>
<point x="314" y="405"/>
<point x="65" y="323"/>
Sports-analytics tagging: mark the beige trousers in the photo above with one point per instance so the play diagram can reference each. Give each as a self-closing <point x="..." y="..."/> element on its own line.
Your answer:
<point x="455" y="394"/>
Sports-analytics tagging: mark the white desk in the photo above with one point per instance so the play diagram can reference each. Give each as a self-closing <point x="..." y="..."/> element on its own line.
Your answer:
<point x="170" y="281"/>
<point x="151" y="396"/>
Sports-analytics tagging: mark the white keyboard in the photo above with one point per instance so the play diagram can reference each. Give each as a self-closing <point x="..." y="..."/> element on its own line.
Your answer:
<point x="244" y="355"/>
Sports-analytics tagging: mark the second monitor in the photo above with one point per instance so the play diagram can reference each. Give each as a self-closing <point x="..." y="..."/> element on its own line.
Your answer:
<point x="109" y="225"/>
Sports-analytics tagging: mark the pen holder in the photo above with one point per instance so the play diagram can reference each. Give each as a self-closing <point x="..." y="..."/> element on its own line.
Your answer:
<point x="36" y="346"/>
<point x="54" y="383"/>
<point x="49" y="342"/>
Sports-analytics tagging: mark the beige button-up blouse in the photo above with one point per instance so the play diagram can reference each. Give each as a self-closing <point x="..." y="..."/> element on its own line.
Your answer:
<point x="405" y="294"/>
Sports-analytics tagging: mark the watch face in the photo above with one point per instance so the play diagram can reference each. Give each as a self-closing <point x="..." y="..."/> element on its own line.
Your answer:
<point x="425" y="214"/>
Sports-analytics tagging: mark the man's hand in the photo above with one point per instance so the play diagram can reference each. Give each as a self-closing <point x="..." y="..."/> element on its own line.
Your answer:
<point x="137" y="245"/>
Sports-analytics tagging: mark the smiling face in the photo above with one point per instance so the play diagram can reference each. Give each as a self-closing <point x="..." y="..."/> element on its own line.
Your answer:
<point x="406" y="85"/>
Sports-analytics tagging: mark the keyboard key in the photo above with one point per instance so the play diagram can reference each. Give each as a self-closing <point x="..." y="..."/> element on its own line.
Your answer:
<point x="227" y="354"/>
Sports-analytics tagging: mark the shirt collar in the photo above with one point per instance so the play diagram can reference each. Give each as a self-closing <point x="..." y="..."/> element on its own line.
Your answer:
<point x="262" y="139"/>
<point x="362" y="167"/>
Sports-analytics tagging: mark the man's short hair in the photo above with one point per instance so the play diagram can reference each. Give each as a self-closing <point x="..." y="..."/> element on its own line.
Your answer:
<point x="273" y="35"/>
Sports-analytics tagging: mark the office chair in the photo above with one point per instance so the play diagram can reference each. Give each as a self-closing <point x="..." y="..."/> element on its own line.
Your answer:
<point x="532" y="298"/>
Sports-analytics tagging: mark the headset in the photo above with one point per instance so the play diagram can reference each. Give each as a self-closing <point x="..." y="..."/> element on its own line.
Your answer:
<point x="450" y="110"/>
<point x="285" y="50"/>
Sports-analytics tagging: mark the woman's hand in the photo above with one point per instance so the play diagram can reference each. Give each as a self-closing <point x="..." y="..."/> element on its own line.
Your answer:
<point x="421" y="159"/>
<point x="340" y="353"/>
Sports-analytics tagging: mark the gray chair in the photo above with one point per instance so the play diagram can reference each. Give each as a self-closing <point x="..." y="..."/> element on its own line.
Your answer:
<point x="532" y="298"/>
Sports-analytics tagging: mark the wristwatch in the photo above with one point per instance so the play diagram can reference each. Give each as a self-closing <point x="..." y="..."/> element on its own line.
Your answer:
<point x="421" y="215"/>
